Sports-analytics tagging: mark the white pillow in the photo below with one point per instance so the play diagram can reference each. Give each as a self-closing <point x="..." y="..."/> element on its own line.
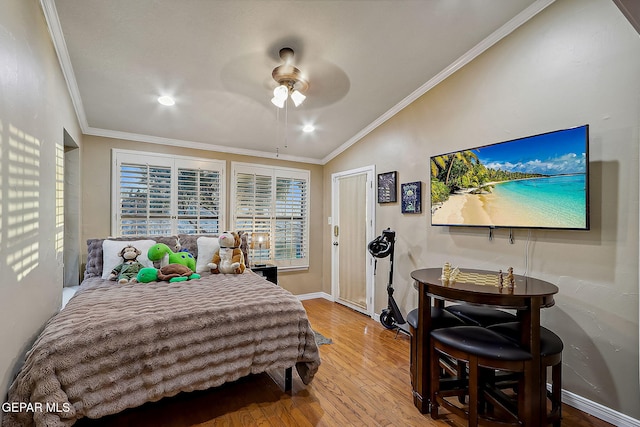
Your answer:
<point x="207" y="246"/>
<point x="111" y="249"/>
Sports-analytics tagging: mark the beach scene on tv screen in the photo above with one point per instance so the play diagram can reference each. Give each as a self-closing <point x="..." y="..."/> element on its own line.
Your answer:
<point x="538" y="182"/>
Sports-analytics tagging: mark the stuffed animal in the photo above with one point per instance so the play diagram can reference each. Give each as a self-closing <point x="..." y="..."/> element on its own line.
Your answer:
<point x="169" y="273"/>
<point x="148" y="274"/>
<point x="229" y="259"/>
<point x="159" y="250"/>
<point x="127" y="271"/>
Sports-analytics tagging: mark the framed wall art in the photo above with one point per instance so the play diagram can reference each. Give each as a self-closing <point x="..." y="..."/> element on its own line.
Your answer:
<point x="387" y="187"/>
<point x="411" y="197"/>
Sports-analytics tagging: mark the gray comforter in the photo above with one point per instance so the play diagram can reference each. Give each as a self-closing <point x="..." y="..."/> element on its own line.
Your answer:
<point x="118" y="346"/>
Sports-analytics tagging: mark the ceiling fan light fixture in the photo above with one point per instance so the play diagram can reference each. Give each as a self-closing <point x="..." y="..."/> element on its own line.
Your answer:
<point x="297" y="97"/>
<point x="290" y="81"/>
<point x="281" y="92"/>
<point x="278" y="102"/>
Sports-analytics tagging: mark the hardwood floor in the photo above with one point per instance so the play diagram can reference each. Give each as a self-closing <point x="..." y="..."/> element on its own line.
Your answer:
<point x="363" y="381"/>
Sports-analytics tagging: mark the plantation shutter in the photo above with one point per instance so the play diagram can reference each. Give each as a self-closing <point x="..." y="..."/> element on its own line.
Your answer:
<point x="145" y="200"/>
<point x="274" y="201"/>
<point x="199" y="201"/>
<point x="253" y="203"/>
<point x="291" y="219"/>
<point x="156" y="194"/>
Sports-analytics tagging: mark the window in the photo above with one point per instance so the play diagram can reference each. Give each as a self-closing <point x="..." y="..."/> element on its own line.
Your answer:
<point x="158" y="194"/>
<point x="275" y="201"/>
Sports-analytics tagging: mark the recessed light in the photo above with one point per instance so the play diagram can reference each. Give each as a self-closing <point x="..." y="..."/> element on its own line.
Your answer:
<point x="308" y="128"/>
<point x="166" y="100"/>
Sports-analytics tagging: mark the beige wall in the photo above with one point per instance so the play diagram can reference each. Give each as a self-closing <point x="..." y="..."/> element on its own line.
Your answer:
<point x="577" y="62"/>
<point x="96" y="198"/>
<point x="34" y="109"/>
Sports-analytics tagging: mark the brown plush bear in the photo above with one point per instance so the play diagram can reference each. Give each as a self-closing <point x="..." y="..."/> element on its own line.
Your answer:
<point x="229" y="259"/>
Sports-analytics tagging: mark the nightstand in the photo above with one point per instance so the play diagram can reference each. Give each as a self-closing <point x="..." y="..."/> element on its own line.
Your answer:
<point x="270" y="272"/>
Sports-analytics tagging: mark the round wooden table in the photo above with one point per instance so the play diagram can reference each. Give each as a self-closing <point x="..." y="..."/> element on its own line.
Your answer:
<point x="527" y="296"/>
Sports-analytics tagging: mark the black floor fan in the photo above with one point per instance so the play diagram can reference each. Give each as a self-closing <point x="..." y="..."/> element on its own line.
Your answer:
<point x="382" y="247"/>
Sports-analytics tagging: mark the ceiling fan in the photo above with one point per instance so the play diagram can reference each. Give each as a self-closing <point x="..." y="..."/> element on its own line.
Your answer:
<point x="291" y="82"/>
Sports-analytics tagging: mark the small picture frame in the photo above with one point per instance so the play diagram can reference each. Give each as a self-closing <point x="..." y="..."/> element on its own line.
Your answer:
<point x="387" y="187"/>
<point x="411" y="197"/>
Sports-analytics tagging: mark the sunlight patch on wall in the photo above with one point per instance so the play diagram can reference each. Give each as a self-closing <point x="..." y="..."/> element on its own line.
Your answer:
<point x="21" y="196"/>
<point x="59" y="198"/>
<point x="1" y="183"/>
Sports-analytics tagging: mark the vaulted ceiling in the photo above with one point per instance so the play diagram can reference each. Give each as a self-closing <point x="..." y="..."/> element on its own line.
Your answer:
<point x="364" y="59"/>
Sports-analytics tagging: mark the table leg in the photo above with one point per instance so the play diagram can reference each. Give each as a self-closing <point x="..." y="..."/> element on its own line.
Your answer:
<point x="533" y="403"/>
<point x="422" y="381"/>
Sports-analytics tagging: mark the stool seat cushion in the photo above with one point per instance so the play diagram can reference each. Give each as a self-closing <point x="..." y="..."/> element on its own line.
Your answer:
<point x="476" y="315"/>
<point x="550" y="343"/>
<point x="439" y="318"/>
<point x="481" y="342"/>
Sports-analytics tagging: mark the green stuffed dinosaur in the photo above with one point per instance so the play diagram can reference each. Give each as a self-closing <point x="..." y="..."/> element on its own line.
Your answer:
<point x="159" y="250"/>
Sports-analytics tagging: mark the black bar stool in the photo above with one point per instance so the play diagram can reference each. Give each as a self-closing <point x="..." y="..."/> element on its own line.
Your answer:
<point x="479" y="348"/>
<point x="439" y="319"/>
<point x="476" y="315"/>
<point x="551" y="347"/>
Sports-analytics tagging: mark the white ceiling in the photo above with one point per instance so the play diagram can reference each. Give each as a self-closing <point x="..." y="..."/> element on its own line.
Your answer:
<point x="364" y="59"/>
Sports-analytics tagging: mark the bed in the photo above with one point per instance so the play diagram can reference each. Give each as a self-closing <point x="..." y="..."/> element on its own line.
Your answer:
<point x="117" y="346"/>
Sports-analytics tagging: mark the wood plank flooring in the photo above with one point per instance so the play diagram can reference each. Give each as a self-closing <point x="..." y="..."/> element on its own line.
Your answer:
<point x="363" y="381"/>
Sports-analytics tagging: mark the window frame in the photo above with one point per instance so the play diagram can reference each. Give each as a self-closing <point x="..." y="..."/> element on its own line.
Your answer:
<point x="275" y="172"/>
<point x="174" y="162"/>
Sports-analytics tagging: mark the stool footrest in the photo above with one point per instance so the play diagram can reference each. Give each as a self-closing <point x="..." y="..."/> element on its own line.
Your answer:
<point x="497" y="397"/>
<point x="454" y="409"/>
<point x="451" y="367"/>
<point x="456" y="384"/>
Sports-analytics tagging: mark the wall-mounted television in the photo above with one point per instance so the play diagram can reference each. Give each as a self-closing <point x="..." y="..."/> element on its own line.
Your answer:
<point x="539" y="181"/>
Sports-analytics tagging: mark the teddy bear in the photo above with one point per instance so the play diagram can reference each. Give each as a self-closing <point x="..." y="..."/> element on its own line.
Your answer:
<point x="228" y="259"/>
<point x="127" y="271"/>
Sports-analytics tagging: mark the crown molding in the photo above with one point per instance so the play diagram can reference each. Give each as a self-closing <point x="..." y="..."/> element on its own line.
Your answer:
<point x="106" y="133"/>
<point x="469" y="56"/>
<point x="631" y="10"/>
<point x="60" y="46"/>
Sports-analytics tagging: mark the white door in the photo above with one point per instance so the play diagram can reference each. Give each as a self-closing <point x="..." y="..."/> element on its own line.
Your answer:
<point x="352" y="229"/>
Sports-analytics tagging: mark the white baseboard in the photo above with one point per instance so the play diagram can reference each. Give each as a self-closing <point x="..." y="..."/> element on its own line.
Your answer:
<point x="599" y="411"/>
<point x="585" y="405"/>
<point x="314" y="295"/>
